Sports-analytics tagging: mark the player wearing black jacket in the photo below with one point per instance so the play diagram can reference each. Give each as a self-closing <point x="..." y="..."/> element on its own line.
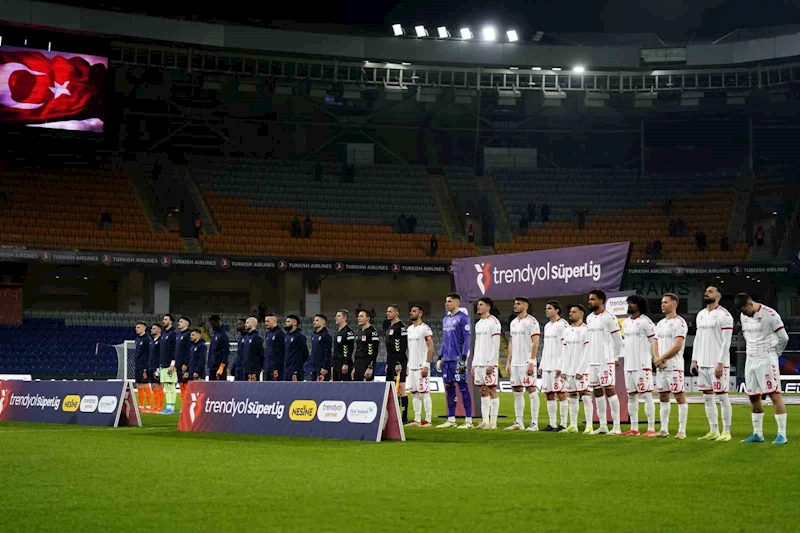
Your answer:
<point x="197" y="356"/>
<point x="253" y="346"/>
<point x="343" y="348"/>
<point x="368" y="343"/>
<point x="219" y="351"/>
<point x="141" y="355"/>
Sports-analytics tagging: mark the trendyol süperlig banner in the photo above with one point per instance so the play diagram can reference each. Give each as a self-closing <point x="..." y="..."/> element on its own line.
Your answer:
<point x="365" y="411"/>
<point x="559" y="272"/>
<point x="85" y="403"/>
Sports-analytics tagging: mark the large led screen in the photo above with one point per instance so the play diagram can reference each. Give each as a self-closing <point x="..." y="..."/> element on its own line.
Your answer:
<point x="55" y="90"/>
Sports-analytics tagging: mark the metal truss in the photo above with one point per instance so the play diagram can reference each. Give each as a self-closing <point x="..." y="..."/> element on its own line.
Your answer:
<point x="367" y="74"/>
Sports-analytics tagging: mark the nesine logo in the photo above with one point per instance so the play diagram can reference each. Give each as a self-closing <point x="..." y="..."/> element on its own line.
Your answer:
<point x="483" y="279"/>
<point x="302" y="410"/>
<point x="71" y="403"/>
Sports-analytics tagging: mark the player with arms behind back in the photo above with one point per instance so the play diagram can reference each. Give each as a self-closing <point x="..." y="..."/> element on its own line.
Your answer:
<point x="484" y="363"/>
<point x="452" y="362"/>
<point x="604" y="347"/>
<point x="420" y="354"/>
<point x="551" y="366"/>
<point x="766" y="339"/>
<point x="576" y="368"/>
<point x="639" y="348"/>
<point x="521" y="364"/>
<point x="671" y="333"/>
<point x="711" y="359"/>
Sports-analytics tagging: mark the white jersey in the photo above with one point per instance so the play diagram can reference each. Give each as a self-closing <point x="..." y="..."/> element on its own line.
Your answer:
<point x="709" y="342"/>
<point x="576" y="350"/>
<point x="551" y="353"/>
<point x="522" y="334"/>
<point x="487" y="342"/>
<point x="637" y="335"/>
<point x="417" y="345"/>
<point x="760" y="332"/>
<point x="667" y="330"/>
<point x="601" y="327"/>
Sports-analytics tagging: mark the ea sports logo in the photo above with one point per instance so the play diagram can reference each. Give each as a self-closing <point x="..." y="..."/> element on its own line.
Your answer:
<point x="483" y="279"/>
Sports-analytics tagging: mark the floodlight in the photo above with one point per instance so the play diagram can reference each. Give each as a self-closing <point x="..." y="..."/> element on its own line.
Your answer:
<point x="512" y="36"/>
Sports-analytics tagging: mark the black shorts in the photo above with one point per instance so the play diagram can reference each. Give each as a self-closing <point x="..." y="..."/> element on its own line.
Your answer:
<point x="391" y="362"/>
<point x="337" y="372"/>
<point x="361" y="366"/>
<point x="139" y="377"/>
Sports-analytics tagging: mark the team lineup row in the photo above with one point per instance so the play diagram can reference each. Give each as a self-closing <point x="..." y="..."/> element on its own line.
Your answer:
<point x="578" y="360"/>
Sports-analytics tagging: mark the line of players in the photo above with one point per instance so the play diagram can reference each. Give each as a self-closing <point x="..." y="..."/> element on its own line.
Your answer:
<point x="578" y="359"/>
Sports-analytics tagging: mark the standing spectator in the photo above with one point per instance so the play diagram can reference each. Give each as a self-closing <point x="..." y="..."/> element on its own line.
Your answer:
<point x="581" y="217"/>
<point x="296" y="353"/>
<point x="760" y="236"/>
<point x="471" y="233"/>
<point x="434" y="245"/>
<point x="105" y="220"/>
<point x="296" y="227"/>
<point x="411" y="223"/>
<point x="531" y="211"/>
<point x="308" y="227"/>
<point x="402" y="223"/>
<point x="523" y="225"/>
<point x="198" y="225"/>
<point x="723" y="243"/>
<point x="545" y="212"/>
<point x="700" y="240"/>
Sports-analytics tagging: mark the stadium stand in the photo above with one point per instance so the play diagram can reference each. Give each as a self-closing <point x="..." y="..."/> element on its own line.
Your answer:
<point x="350" y="219"/>
<point x="61" y="208"/>
<point x="621" y="207"/>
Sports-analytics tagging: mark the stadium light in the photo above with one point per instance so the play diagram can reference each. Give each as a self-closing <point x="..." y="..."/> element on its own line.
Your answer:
<point x="489" y="34"/>
<point x="578" y="69"/>
<point x="405" y="63"/>
<point x="536" y="68"/>
<point x="512" y="36"/>
<point x="465" y="33"/>
<point x="556" y="69"/>
<point x="421" y="31"/>
<point x="514" y="68"/>
<point x="398" y="30"/>
<point x="443" y="33"/>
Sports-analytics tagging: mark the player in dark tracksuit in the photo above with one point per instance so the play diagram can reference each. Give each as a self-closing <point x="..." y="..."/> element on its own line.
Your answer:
<point x="396" y="337"/>
<point x="343" y="348"/>
<point x="141" y="355"/>
<point x="296" y="350"/>
<point x="238" y="365"/>
<point x="153" y="366"/>
<point x="253" y="351"/>
<point x="367" y="343"/>
<point x="321" y="346"/>
<point x="182" y="344"/>
<point x="274" y="349"/>
<point x="218" y="351"/>
<point x="197" y="356"/>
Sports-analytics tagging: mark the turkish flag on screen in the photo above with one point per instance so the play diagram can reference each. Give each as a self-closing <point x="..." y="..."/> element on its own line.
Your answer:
<point x="38" y="86"/>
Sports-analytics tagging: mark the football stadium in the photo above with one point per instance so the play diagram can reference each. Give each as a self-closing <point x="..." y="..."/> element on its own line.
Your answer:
<point x="398" y="271"/>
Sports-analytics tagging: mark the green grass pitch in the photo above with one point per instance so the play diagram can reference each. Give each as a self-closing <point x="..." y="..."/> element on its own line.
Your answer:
<point x="77" y="479"/>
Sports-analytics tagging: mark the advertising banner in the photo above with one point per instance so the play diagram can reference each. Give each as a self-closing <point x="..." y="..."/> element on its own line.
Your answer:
<point x="84" y="403"/>
<point x="543" y="273"/>
<point x="365" y="411"/>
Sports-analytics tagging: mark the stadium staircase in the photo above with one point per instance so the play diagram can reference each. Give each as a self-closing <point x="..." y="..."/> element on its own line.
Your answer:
<point x="745" y="185"/>
<point x="209" y="226"/>
<point x="148" y="204"/>
<point x="192" y="245"/>
<point x="488" y="187"/>
<point x="453" y="224"/>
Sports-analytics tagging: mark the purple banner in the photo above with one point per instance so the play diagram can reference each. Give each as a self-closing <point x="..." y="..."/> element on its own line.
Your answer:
<point x="559" y="272"/>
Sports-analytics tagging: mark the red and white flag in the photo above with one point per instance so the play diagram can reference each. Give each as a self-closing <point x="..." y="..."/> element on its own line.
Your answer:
<point x="38" y="87"/>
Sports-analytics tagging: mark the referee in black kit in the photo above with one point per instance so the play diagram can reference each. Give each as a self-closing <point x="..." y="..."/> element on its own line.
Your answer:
<point x="367" y="344"/>
<point x="343" y="348"/>
<point x="397" y="354"/>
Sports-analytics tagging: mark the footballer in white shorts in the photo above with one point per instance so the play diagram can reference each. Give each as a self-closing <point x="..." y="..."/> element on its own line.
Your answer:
<point x="639" y="381"/>
<point x="579" y="383"/>
<point x="670" y="381"/>
<point x="520" y="377"/>
<point x="551" y="383"/>
<point x="602" y="376"/>
<point x="416" y="383"/>
<point x="482" y="379"/>
<point x="707" y="381"/>
<point x="762" y="375"/>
